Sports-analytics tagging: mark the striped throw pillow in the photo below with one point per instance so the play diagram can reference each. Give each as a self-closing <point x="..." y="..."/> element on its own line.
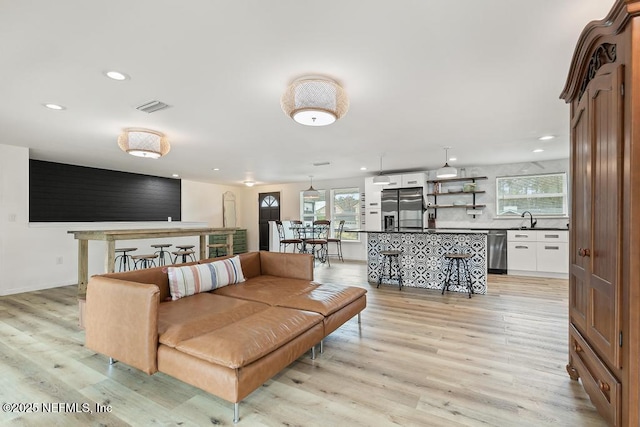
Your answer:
<point x="193" y="279"/>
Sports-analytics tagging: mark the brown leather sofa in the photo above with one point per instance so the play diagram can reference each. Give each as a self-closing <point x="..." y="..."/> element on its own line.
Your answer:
<point x="227" y="342"/>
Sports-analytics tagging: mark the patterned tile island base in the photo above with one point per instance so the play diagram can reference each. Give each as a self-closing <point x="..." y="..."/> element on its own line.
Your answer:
<point x="423" y="262"/>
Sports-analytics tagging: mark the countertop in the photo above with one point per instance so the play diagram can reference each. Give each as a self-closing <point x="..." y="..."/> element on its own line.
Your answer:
<point x="460" y="230"/>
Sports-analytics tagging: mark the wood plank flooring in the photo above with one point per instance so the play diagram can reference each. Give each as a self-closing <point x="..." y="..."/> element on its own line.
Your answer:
<point x="418" y="359"/>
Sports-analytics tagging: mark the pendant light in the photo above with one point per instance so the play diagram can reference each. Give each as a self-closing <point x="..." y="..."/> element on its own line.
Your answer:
<point x="446" y="171"/>
<point x="381" y="179"/>
<point x="311" y="193"/>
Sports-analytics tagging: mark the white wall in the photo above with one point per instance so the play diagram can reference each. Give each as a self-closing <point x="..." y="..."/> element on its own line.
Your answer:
<point x="43" y="255"/>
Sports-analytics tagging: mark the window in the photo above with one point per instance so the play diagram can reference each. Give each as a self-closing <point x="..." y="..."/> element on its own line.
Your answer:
<point x="539" y="194"/>
<point x="346" y="206"/>
<point x="313" y="209"/>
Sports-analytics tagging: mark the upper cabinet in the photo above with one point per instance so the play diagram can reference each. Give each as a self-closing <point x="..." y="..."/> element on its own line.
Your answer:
<point x="418" y="179"/>
<point x="396" y="182"/>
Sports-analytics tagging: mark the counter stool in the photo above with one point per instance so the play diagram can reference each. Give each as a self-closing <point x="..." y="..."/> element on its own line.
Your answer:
<point x="123" y="261"/>
<point x="144" y="261"/>
<point x="184" y="254"/>
<point x="216" y="246"/>
<point x="459" y="260"/>
<point x="186" y="248"/>
<point x="161" y="252"/>
<point x="390" y="257"/>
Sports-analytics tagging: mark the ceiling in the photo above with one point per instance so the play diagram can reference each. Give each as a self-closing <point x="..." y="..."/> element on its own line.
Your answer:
<point x="480" y="76"/>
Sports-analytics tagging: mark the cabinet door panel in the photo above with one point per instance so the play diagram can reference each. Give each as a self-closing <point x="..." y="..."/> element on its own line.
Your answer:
<point x="521" y="256"/>
<point x="580" y="215"/>
<point x="605" y="107"/>
<point x="553" y="257"/>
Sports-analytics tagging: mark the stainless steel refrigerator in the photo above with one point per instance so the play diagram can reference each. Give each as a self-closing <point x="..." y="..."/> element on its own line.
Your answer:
<point x="402" y="209"/>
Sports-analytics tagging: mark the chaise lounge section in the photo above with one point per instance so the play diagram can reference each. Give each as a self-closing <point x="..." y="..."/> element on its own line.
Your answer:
<point x="227" y="342"/>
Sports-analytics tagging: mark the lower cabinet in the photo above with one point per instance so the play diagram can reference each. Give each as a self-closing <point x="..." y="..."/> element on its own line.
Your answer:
<point x="538" y="252"/>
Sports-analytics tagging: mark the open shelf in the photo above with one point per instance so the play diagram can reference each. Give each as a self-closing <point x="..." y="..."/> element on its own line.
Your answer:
<point x="468" y="178"/>
<point x="456" y="206"/>
<point x="456" y="192"/>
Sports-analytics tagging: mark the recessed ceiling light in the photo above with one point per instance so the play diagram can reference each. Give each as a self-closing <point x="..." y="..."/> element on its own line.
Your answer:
<point x="546" y="137"/>
<point x="538" y="150"/>
<point x="55" y="107"/>
<point x="175" y="175"/>
<point x="216" y="169"/>
<point x="363" y="168"/>
<point x="116" y="75"/>
<point x="249" y="183"/>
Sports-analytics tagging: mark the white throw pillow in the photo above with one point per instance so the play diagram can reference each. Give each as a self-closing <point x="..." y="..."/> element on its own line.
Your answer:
<point x="193" y="279"/>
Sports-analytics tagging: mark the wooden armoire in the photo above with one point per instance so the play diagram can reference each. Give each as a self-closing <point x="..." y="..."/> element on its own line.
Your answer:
<point x="603" y="89"/>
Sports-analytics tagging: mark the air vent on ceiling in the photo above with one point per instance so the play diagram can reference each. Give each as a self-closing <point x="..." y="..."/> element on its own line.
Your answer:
<point x="152" y="106"/>
<point x="322" y="164"/>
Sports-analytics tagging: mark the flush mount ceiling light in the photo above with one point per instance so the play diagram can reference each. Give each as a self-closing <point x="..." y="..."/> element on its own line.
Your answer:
<point x="446" y="171"/>
<point x="116" y="75"/>
<point x="311" y="193"/>
<point x="144" y="143"/>
<point x="249" y="183"/>
<point x="381" y="179"/>
<point x="315" y="101"/>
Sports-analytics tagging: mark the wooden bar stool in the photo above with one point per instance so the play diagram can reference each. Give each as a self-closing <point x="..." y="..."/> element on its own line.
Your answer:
<point x="391" y="257"/>
<point x="144" y="261"/>
<point x="161" y="252"/>
<point x="123" y="261"/>
<point x="459" y="260"/>
<point x="185" y="251"/>
<point x="184" y="254"/>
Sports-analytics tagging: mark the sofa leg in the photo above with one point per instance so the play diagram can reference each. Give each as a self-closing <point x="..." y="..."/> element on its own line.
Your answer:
<point x="321" y="346"/>
<point x="236" y="412"/>
<point x="112" y="361"/>
<point x="313" y="353"/>
<point x="359" y="317"/>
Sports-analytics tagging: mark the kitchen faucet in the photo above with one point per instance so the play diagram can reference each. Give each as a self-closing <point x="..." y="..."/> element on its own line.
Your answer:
<point x="533" y="222"/>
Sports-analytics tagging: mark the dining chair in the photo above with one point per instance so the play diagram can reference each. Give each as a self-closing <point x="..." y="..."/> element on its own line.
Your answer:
<point x="318" y="242"/>
<point x="337" y="240"/>
<point x="284" y="241"/>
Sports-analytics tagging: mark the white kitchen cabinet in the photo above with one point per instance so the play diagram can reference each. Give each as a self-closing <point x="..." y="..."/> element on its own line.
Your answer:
<point x="417" y="179"/>
<point x="372" y="194"/>
<point x="396" y="182"/>
<point x="543" y="253"/>
<point x="521" y="256"/>
<point x="373" y="219"/>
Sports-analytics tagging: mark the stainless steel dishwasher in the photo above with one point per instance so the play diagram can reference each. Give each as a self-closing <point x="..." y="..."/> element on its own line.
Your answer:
<point x="497" y="251"/>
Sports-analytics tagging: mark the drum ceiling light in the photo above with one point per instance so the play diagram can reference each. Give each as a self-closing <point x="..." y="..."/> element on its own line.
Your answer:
<point x="144" y="143"/>
<point x="315" y="101"/>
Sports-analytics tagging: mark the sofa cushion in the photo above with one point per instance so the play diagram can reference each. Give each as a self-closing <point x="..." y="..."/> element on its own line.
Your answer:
<point x="193" y="279"/>
<point x="267" y="289"/>
<point x="199" y="314"/>
<point x="250" y="338"/>
<point x="325" y="299"/>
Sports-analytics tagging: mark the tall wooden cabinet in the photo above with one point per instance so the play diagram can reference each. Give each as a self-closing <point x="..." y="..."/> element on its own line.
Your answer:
<point x="603" y="89"/>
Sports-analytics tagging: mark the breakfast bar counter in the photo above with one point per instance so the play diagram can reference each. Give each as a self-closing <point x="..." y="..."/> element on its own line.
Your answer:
<point x="423" y="250"/>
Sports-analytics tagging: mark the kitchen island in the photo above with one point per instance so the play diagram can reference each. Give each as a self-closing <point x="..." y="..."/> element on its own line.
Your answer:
<point x="423" y="262"/>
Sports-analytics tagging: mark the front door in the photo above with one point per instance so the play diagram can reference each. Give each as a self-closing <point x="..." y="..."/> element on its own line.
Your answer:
<point x="269" y="210"/>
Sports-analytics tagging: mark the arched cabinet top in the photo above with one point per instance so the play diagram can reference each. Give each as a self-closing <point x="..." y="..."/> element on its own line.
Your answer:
<point x="590" y="52"/>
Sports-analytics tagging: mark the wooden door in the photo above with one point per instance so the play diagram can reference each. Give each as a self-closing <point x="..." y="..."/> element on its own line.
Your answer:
<point x="606" y="232"/>
<point x="268" y="210"/>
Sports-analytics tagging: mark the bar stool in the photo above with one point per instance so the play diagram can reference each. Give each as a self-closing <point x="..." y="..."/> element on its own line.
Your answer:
<point x="161" y="252"/>
<point x="184" y="254"/>
<point x="185" y="248"/>
<point x="216" y="246"/>
<point x="390" y="257"/>
<point x="123" y="261"/>
<point x="458" y="259"/>
<point x="144" y="261"/>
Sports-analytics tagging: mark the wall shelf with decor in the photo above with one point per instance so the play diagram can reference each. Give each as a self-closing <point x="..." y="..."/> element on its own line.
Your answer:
<point x="440" y="188"/>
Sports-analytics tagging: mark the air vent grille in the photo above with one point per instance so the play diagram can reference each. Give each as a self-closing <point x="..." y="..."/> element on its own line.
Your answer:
<point x="321" y="163"/>
<point x="152" y="106"/>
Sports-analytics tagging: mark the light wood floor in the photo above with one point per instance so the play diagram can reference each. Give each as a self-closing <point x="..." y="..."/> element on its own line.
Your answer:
<point x="417" y="359"/>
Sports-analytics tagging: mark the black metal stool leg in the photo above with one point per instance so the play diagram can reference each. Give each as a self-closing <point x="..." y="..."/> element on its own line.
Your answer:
<point x="445" y="285"/>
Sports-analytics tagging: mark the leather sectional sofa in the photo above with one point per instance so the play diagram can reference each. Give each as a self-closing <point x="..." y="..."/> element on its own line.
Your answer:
<point x="228" y="341"/>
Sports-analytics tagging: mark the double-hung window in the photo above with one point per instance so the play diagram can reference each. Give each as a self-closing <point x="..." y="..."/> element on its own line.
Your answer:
<point x="542" y="195"/>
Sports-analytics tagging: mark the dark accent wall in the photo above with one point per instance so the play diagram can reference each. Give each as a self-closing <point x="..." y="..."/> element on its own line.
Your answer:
<point x="67" y="193"/>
